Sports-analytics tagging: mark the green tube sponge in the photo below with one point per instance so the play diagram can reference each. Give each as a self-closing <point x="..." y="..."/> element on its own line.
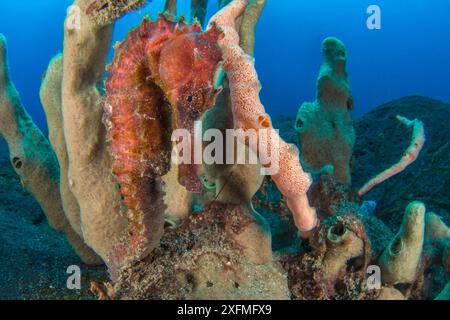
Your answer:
<point x="324" y="127"/>
<point x="445" y="294"/>
<point x="248" y="26"/>
<point x="198" y="11"/>
<point x="446" y="258"/>
<point x="400" y="260"/>
<point x="223" y="3"/>
<point x="437" y="239"/>
<point x="170" y="6"/>
<point x="34" y="160"/>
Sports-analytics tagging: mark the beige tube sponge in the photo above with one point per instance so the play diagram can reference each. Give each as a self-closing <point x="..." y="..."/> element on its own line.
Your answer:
<point x="437" y="235"/>
<point x="236" y="185"/>
<point x="435" y="228"/>
<point x="343" y="249"/>
<point x="249" y="114"/>
<point x="33" y="159"/>
<point x="176" y="198"/>
<point x="343" y="245"/>
<point x="90" y="176"/>
<point x="388" y="293"/>
<point x="50" y="95"/>
<point x="170" y="6"/>
<point x="105" y="12"/>
<point x="31" y="155"/>
<point x="400" y="260"/>
<point x="410" y="155"/>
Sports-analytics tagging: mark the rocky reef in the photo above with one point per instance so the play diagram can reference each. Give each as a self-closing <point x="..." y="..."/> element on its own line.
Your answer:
<point x="334" y="225"/>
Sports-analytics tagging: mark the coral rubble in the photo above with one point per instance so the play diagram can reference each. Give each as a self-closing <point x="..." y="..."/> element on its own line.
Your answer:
<point x="105" y="12"/>
<point x="205" y="258"/>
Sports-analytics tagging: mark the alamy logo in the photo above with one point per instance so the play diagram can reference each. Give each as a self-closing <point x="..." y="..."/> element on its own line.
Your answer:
<point x="74" y="280"/>
<point x="374" y="280"/>
<point x="374" y="20"/>
<point x="263" y="143"/>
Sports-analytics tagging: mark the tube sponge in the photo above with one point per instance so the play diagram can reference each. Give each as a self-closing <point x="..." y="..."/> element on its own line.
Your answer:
<point x="31" y="155"/>
<point x="248" y="25"/>
<point x="388" y="293"/>
<point x="50" y="95"/>
<point x="445" y="294"/>
<point x="400" y="260"/>
<point x="410" y="155"/>
<point x="90" y="176"/>
<point x="198" y="11"/>
<point x="446" y="258"/>
<point x="325" y="128"/>
<point x="343" y="245"/>
<point x="437" y="235"/>
<point x="176" y="198"/>
<point x="435" y="228"/>
<point x="170" y="6"/>
<point x="249" y="114"/>
<point x="34" y="160"/>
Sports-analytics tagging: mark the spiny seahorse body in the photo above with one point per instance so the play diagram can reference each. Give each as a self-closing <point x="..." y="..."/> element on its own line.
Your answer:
<point x="161" y="78"/>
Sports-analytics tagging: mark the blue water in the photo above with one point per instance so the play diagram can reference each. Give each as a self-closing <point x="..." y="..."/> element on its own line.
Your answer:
<point x="409" y="55"/>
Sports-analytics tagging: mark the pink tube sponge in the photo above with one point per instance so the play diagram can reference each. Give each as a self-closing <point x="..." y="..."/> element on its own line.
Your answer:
<point x="249" y="114"/>
<point x="410" y="155"/>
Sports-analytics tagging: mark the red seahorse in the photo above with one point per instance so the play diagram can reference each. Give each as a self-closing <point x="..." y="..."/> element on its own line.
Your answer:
<point x="161" y="79"/>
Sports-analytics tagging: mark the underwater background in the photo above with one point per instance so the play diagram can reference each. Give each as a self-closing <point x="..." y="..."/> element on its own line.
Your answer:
<point x="403" y="68"/>
<point x="409" y="55"/>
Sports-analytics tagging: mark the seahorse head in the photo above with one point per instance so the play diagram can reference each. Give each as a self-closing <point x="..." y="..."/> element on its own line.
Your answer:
<point x="188" y="67"/>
